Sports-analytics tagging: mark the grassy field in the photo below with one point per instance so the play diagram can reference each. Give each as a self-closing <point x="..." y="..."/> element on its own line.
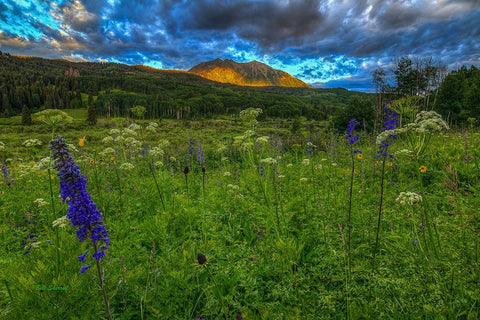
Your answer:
<point x="293" y="223"/>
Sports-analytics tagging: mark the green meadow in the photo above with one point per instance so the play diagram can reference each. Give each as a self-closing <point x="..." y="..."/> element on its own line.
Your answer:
<point x="234" y="218"/>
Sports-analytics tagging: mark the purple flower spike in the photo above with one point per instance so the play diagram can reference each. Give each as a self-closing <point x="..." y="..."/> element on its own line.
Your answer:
<point x="82" y="211"/>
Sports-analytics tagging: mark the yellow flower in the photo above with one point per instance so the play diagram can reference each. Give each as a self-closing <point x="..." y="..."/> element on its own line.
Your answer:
<point x="359" y="156"/>
<point x="376" y="162"/>
<point x="81" y="141"/>
<point x="112" y="158"/>
<point x="389" y="163"/>
<point x="92" y="161"/>
<point x="423" y="169"/>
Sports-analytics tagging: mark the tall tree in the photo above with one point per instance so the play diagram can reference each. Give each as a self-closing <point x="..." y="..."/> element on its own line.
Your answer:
<point x="26" y="116"/>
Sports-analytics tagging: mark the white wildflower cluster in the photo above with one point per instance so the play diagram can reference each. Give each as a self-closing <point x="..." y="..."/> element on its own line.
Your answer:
<point x="72" y="147"/>
<point x="163" y="144"/>
<point x="40" y="202"/>
<point x="408" y="197"/>
<point x="269" y="161"/>
<point x="227" y="174"/>
<point x="403" y="152"/>
<point x="429" y="122"/>
<point x="152" y="127"/>
<point x="262" y="140"/>
<point x="61" y="222"/>
<point x="2" y="145"/>
<point x="107" y="140"/>
<point x="114" y="132"/>
<point x="134" y="127"/>
<point x="156" y="152"/>
<point x="127" y="166"/>
<point x="233" y="189"/>
<point x="32" y="143"/>
<point x="25" y="169"/>
<point x="158" y="164"/>
<point x="128" y="132"/>
<point x="44" y="163"/>
<point x="132" y="142"/>
<point x="306" y="162"/>
<point x="107" y="152"/>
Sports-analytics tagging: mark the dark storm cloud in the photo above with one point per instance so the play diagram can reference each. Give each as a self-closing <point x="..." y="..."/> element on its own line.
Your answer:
<point x="266" y="22"/>
<point x="315" y="39"/>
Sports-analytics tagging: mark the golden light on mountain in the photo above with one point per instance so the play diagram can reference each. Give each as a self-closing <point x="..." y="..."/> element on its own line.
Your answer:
<point x="252" y="73"/>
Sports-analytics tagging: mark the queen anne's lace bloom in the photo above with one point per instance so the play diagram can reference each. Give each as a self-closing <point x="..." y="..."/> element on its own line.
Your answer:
<point x="410" y="198"/>
<point x="82" y="211"/>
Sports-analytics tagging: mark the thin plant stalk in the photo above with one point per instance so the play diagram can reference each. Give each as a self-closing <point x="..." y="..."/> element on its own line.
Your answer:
<point x="349" y="230"/>
<point x="157" y="186"/>
<point x="102" y="287"/>
<point x="380" y="209"/>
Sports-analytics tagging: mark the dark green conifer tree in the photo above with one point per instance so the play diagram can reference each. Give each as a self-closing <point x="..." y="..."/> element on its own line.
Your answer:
<point x="26" y="116"/>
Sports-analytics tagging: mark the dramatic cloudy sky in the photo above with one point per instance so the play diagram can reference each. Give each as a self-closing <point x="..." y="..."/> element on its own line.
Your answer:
<point x="327" y="43"/>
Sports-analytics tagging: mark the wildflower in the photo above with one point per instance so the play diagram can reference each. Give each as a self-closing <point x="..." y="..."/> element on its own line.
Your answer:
<point x="270" y="161"/>
<point x="309" y="148"/>
<point x="92" y="162"/>
<point x="40" y="202"/>
<point x="304" y="179"/>
<point x="126" y="166"/>
<point x="227" y="174"/>
<point x="81" y="258"/>
<point x="389" y="163"/>
<point x="82" y="211"/>
<point x="152" y="127"/>
<point x="351" y="127"/>
<point x="261" y="170"/>
<point x="262" y="140"/>
<point x="5" y="171"/>
<point x="81" y="141"/>
<point x="84" y="268"/>
<point x="423" y="169"/>
<point x="61" y="222"/>
<point x="112" y="158"/>
<point x="359" y="156"/>
<point x="415" y="242"/>
<point x="306" y="162"/>
<point x="107" y="140"/>
<point x="385" y="139"/>
<point x="410" y="198"/>
<point x="201" y="258"/>
<point x="32" y="143"/>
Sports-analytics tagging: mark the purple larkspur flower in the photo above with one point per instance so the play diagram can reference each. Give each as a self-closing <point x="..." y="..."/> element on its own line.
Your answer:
<point x="85" y="268"/>
<point x="81" y="258"/>
<point x="5" y="171"/>
<point x="82" y="211"/>
<point x="350" y="129"/>
<point x="389" y="124"/>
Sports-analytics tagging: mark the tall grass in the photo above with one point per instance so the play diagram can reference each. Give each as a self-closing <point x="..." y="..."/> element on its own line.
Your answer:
<point x="293" y="243"/>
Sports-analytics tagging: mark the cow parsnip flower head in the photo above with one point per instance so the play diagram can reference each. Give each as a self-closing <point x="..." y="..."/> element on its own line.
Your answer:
<point x="53" y="118"/>
<point x="409" y="198"/>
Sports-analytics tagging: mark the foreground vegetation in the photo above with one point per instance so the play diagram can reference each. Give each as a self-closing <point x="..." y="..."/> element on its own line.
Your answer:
<point x="241" y="219"/>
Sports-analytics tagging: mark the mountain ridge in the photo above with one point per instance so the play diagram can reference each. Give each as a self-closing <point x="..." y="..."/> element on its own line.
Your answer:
<point x="253" y="73"/>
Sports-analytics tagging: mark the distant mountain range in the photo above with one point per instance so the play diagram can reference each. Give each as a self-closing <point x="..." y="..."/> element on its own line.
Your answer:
<point x="252" y="73"/>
